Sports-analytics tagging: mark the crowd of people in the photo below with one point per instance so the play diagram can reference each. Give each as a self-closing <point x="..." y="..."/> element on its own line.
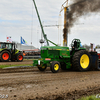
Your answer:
<point x="31" y="52"/>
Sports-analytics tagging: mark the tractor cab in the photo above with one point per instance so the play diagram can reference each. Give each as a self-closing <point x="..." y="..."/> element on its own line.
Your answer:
<point x="76" y="46"/>
<point x="76" y="43"/>
<point x="9" y="46"/>
<point x="4" y="45"/>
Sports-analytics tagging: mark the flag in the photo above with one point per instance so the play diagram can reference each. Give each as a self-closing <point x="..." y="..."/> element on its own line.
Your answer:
<point x="23" y="41"/>
<point x="9" y="39"/>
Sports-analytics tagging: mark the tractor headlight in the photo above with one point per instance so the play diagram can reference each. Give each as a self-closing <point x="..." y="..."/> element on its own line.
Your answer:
<point x="47" y="58"/>
<point x="38" y="62"/>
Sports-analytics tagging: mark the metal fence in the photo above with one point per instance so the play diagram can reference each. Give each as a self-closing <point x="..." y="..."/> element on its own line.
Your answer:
<point x="32" y="57"/>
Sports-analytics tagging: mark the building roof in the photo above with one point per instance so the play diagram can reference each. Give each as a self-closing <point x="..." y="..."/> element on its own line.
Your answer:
<point x="25" y="47"/>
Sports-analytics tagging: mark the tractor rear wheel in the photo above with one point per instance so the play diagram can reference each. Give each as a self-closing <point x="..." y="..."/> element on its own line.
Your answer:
<point x="55" y="66"/>
<point x="5" y="55"/>
<point x="81" y="60"/>
<point x="42" y="68"/>
<point x="19" y="57"/>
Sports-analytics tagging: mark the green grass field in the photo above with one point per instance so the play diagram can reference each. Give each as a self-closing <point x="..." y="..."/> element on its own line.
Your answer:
<point x="92" y="97"/>
<point x="8" y="65"/>
<point x="4" y="66"/>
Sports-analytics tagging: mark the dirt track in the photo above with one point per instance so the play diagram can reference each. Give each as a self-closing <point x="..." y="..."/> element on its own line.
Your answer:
<point x="17" y="63"/>
<point x="31" y="84"/>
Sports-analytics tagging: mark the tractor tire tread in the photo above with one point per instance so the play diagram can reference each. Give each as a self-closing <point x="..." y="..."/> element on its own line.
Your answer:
<point x="76" y="58"/>
<point x="52" y="66"/>
<point x="1" y="59"/>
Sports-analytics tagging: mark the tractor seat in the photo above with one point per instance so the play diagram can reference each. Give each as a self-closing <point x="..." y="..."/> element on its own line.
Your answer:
<point x="75" y="44"/>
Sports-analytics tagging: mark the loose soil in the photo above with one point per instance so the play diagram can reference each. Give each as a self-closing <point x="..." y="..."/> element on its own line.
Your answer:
<point x="31" y="84"/>
<point x="17" y="63"/>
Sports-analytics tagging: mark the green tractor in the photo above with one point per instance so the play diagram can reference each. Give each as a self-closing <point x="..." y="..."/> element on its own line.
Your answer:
<point x="8" y="52"/>
<point x="57" y="57"/>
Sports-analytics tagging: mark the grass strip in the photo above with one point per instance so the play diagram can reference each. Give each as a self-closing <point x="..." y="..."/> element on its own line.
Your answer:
<point x="4" y="66"/>
<point x="92" y="97"/>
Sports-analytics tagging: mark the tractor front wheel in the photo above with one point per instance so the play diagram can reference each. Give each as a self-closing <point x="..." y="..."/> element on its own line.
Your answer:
<point x="19" y="57"/>
<point x="55" y="66"/>
<point x="42" y="68"/>
<point x="81" y="60"/>
<point x="5" y="55"/>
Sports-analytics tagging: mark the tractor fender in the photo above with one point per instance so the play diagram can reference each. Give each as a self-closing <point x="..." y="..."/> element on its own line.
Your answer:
<point x="6" y="50"/>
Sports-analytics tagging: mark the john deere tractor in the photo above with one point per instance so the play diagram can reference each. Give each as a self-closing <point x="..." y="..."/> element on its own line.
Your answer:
<point x="56" y="56"/>
<point x="59" y="56"/>
<point x="8" y="52"/>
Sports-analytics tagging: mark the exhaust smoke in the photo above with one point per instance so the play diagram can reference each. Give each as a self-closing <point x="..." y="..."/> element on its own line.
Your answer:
<point x="78" y="9"/>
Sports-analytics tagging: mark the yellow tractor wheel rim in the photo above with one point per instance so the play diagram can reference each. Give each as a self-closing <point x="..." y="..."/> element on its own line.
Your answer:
<point x="84" y="61"/>
<point x="56" y="67"/>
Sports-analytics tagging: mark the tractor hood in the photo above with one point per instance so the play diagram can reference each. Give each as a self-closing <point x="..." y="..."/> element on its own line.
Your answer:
<point x="54" y="48"/>
<point x="54" y="52"/>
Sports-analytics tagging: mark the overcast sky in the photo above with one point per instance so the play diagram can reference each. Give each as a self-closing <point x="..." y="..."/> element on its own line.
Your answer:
<point x="18" y="18"/>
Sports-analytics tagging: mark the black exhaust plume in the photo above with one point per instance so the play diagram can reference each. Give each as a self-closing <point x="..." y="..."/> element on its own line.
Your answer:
<point x="81" y="8"/>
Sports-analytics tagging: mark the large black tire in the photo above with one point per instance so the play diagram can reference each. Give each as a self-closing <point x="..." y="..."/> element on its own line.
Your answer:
<point x="81" y="60"/>
<point x="19" y="57"/>
<point x="5" y="56"/>
<point x="55" y="66"/>
<point x="98" y="66"/>
<point x="42" y="68"/>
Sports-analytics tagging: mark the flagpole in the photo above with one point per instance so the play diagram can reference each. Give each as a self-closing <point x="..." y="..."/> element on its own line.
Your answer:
<point x="32" y="26"/>
<point x="20" y="43"/>
<point x="6" y="38"/>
